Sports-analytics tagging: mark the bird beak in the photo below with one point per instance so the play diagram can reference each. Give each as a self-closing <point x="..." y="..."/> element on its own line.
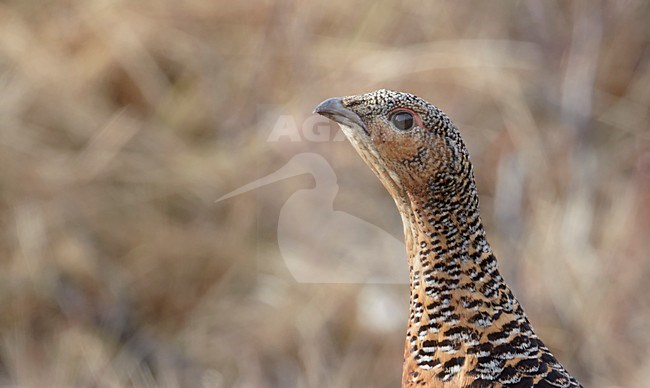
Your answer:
<point x="333" y="109"/>
<point x="357" y="132"/>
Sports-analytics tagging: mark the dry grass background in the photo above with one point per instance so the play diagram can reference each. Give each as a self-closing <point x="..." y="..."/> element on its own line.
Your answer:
<point x="122" y="122"/>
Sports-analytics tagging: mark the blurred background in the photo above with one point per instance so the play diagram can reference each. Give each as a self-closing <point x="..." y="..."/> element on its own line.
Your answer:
<point x="121" y="124"/>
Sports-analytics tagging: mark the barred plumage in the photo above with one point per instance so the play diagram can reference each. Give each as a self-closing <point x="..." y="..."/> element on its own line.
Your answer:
<point x="465" y="326"/>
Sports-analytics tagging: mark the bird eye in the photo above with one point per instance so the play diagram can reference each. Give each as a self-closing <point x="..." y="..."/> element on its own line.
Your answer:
<point x="402" y="120"/>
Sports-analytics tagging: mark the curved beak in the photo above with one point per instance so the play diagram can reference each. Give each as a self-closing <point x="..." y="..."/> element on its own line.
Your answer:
<point x="333" y="109"/>
<point x="361" y="140"/>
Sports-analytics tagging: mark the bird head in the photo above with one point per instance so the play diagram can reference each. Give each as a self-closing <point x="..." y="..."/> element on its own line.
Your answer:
<point x="410" y="144"/>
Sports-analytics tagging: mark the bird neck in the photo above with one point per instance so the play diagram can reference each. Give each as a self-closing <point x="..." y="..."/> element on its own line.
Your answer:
<point x="444" y="232"/>
<point x="454" y="284"/>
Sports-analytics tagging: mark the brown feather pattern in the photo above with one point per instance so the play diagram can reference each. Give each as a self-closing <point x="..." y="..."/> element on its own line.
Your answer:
<point x="465" y="327"/>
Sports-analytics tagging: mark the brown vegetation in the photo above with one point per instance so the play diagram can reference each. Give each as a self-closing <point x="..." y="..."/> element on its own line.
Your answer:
<point x="123" y="122"/>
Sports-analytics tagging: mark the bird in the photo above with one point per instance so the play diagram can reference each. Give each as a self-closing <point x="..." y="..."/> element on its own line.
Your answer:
<point x="308" y="224"/>
<point x="465" y="327"/>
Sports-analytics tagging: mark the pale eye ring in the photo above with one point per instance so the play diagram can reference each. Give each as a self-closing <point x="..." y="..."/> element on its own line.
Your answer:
<point x="402" y="120"/>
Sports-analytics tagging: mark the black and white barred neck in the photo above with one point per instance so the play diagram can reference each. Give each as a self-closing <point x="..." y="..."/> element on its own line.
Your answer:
<point x="465" y="327"/>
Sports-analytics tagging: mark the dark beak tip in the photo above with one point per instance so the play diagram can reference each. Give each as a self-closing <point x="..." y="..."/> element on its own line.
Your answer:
<point x="333" y="109"/>
<point x="330" y="105"/>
